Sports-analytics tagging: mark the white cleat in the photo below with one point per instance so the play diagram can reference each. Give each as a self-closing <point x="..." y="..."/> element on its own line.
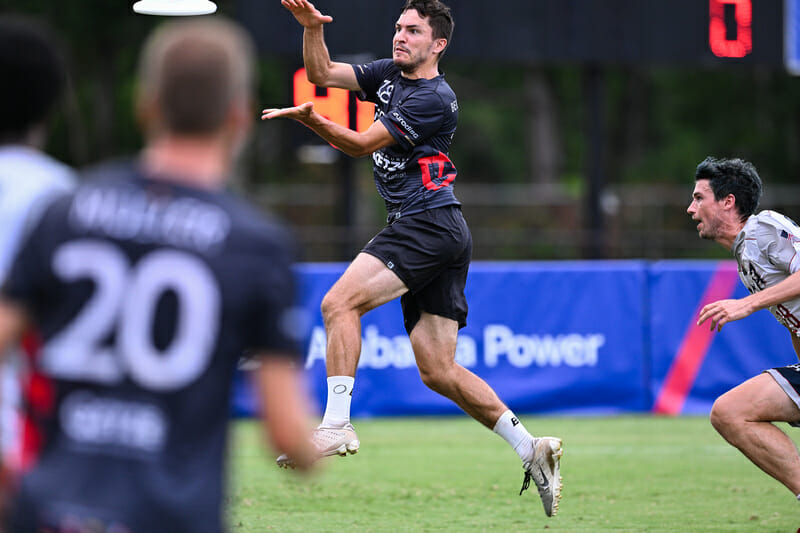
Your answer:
<point x="545" y="469"/>
<point x="329" y="441"/>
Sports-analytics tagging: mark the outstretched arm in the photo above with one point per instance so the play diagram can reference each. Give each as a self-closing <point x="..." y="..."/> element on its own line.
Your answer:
<point x="353" y="143"/>
<point x="723" y="311"/>
<point x="320" y="70"/>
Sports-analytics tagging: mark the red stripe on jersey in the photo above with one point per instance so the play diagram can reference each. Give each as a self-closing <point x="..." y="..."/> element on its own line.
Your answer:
<point x="695" y="344"/>
<point x="38" y="396"/>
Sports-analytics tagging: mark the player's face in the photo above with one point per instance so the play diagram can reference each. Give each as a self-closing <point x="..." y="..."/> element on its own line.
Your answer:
<point x="413" y="44"/>
<point x="705" y="210"/>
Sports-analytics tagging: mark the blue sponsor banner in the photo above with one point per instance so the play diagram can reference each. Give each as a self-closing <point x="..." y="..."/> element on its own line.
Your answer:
<point x="564" y="337"/>
<point x="713" y="362"/>
<point x="584" y="337"/>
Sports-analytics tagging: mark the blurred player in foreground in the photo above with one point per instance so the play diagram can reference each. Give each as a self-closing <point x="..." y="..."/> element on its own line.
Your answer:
<point x="423" y="254"/>
<point x="34" y="76"/>
<point x="767" y="248"/>
<point x="147" y="284"/>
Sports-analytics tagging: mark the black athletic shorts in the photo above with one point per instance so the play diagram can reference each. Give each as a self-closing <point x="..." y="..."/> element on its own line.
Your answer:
<point x="430" y="252"/>
<point x="788" y="377"/>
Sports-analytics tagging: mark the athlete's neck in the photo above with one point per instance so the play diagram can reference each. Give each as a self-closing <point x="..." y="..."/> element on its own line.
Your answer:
<point x="427" y="72"/>
<point x="196" y="161"/>
<point x="728" y="237"/>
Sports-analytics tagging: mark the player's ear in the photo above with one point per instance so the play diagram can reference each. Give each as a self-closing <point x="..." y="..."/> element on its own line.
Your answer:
<point x="145" y="110"/>
<point x="239" y="123"/>
<point x="439" y="45"/>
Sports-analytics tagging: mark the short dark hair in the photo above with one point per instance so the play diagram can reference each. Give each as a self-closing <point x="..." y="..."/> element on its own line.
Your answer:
<point x="732" y="176"/>
<point x="33" y="75"/>
<point x="438" y="16"/>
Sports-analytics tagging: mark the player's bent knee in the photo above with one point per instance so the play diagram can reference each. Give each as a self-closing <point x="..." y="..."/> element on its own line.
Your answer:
<point x="436" y="381"/>
<point x="331" y="307"/>
<point x="725" y="412"/>
<point x="717" y="417"/>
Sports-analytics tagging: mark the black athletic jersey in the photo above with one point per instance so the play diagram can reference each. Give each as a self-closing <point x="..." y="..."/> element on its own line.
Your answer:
<point x="416" y="173"/>
<point x="146" y="294"/>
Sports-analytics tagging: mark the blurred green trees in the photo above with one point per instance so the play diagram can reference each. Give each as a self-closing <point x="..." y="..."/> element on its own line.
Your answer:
<point x="519" y="125"/>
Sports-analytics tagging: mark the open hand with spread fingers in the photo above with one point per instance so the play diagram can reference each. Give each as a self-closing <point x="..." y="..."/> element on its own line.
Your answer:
<point x="305" y="13"/>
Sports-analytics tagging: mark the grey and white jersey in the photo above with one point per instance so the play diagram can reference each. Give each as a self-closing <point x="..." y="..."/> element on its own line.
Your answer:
<point x="768" y="251"/>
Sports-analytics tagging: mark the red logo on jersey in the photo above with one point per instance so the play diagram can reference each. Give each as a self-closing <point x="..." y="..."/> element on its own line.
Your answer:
<point x="441" y="166"/>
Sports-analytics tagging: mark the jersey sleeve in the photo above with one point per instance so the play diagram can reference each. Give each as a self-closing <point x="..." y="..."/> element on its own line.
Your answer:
<point x="370" y="76"/>
<point x="275" y="320"/>
<point x="30" y="270"/>
<point x="415" y="119"/>
<point x="781" y="245"/>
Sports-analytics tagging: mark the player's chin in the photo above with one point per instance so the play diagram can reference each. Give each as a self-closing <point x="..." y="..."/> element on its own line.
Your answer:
<point x="705" y="235"/>
<point x="399" y="60"/>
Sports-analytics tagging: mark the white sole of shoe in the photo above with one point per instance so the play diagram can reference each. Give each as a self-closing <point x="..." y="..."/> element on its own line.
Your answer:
<point x="342" y="451"/>
<point x="556" y="451"/>
<point x="349" y="448"/>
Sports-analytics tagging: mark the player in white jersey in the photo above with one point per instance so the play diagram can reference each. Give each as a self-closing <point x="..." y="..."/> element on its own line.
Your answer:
<point x="33" y="77"/>
<point x="766" y="247"/>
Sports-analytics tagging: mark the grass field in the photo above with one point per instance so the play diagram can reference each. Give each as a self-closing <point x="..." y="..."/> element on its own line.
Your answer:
<point x="450" y="474"/>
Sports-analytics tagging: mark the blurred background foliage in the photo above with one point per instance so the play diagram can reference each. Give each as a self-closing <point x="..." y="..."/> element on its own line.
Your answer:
<point x="522" y="146"/>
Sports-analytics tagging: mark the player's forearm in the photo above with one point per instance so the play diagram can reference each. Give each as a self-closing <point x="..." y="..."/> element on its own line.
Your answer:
<point x="345" y="139"/>
<point x="786" y="290"/>
<point x="316" y="57"/>
<point x="13" y="322"/>
<point x="284" y="410"/>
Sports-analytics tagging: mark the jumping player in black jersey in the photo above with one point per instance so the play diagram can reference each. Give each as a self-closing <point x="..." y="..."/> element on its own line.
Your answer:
<point x="147" y="284"/>
<point x="423" y="254"/>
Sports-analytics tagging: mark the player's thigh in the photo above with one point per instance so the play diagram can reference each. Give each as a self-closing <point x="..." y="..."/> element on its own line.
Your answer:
<point x="420" y="246"/>
<point x="366" y="284"/>
<point x="762" y="399"/>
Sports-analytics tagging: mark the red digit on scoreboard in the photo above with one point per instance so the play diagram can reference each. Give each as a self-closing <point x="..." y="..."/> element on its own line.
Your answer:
<point x="718" y="39"/>
<point x="334" y="104"/>
<point x="365" y="115"/>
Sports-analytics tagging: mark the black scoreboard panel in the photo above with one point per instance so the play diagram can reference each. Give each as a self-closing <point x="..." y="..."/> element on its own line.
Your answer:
<point x="678" y="32"/>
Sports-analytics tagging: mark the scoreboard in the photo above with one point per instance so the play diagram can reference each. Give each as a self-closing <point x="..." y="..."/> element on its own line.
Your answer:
<point x="689" y="32"/>
<point x="692" y="33"/>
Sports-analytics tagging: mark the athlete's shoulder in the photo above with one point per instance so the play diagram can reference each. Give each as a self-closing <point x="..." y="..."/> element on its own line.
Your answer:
<point x="776" y="219"/>
<point x="141" y="203"/>
<point x="38" y="168"/>
<point x="379" y="68"/>
<point x="380" y="65"/>
<point x="771" y="236"/>
<point x="444" y="88"/>
<point x="439" y="91"/>
<point x="768" y="223"/>
<point x="256" y="223"/>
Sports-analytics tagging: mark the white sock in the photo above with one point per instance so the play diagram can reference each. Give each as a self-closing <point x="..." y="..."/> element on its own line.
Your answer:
<point x="511" y="429"/>
<point x="340" y="393"/>
<point x="798" y="497"/>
